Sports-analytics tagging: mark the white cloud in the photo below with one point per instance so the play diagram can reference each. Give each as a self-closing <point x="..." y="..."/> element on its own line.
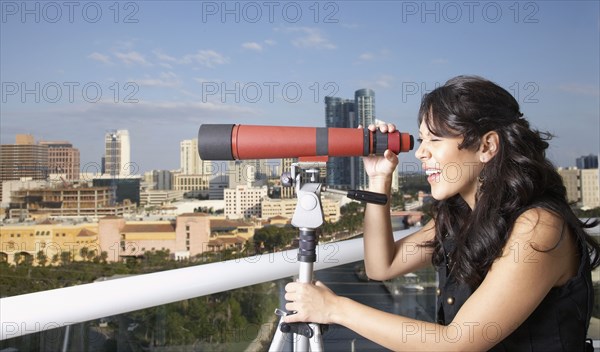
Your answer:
<point x="206" y="58"/>
<point x="310" y="38"/>
<point x="164" y="57"/>
<point x="580" y="89"/>
<point x="100" y="57"/>
<point x="252" y="46"/>
<point x="366" y="57"/>
<point x="270" y="42"/>
<point x="165" y="79"/>
<point x="132" y="57"/>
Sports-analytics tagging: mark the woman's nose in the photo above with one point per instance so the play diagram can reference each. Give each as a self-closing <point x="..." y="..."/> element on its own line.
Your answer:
<point x="422" y="152"/>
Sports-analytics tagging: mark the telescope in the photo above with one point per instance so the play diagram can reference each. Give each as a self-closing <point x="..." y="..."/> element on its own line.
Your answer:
<point x="242" y="142"/>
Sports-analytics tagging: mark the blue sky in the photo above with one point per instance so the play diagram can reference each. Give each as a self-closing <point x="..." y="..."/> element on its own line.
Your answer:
<point x="72" y="70"/>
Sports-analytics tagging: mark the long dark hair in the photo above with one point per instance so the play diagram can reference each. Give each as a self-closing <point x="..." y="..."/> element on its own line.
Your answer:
<point x="519" y="177"/>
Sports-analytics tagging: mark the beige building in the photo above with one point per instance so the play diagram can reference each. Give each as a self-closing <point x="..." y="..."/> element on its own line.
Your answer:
<point x="184" y="238"/>
<point x="582" y="186"/>
<point x="286" y="207"/>
<point x="186" y="183"/>
<point x="244" y="201"/>
<point x="25" y="158"/>
<point x="26" y="242"/>
<point x="590" y="188"/>
<point x="69" y="201"/>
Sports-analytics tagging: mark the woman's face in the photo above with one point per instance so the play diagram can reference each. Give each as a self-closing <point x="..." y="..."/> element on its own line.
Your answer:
<point x="449" y="170"/>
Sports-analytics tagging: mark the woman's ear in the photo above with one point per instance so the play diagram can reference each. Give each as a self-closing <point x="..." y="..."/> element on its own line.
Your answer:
<point x="490" y="143"/>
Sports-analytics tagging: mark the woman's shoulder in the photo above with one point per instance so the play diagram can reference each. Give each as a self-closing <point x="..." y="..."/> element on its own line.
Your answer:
<point x="539" y="226"/>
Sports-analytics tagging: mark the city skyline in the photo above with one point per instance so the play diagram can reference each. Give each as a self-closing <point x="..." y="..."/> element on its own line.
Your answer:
<point x="160" y="69"/>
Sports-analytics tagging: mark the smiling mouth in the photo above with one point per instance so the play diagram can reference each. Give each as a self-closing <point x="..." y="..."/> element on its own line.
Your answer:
<point x="433" y="175"/>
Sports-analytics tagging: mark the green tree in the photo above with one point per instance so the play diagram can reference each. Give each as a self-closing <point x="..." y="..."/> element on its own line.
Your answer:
<point x="42" y="258"/>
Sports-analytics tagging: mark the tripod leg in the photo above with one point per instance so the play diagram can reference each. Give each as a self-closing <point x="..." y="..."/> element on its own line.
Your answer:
<point x="278" y="340"/>
<point x="316" y="342"/>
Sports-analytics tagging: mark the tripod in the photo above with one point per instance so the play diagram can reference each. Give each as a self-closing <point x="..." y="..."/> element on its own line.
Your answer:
<point x="308" y="217"/>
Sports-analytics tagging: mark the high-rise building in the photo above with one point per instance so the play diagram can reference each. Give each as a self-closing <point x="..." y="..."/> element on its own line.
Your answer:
<point x="349" y="172"/>
<point x="587" y="162"/>
<point x="339" y="113"/>
<point x="24" y="159"/>
<point x="63" y="159"/>
<point x="364" y="106"/>
<point x="117" y="153"/>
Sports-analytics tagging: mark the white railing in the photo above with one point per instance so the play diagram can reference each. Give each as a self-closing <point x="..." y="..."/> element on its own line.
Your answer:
<point x="41" y="311"/>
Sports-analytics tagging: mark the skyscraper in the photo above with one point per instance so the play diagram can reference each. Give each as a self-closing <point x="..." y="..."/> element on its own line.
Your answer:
<point x="587" y="162"/>
<point x="339" y="113"/>
<point x="117" y="153"/>
<point x="364" y="105"/>
<point x="349" y="172"/>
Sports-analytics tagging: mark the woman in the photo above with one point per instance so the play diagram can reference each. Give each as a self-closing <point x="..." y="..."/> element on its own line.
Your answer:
<point x="513" y="260"/>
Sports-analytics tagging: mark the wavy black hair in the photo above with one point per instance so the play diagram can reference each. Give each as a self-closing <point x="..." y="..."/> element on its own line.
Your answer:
<point x="519" y="177"/>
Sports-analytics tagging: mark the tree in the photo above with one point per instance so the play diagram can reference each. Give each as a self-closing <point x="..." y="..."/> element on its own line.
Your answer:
<point x="65" y="257"/>
<point x="42" y="258"/>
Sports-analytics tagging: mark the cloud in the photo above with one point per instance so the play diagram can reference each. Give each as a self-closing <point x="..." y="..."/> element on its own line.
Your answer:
<point x="252" y="46"/>
<point x="207" y="58"/>
<point x="165" y="79"/>
<point x="372" y="56"/>
<point x="270" y="42"/>
<point x="100" y="57"/>
<point x="132" y="57"/>
<point x="580" y="89"/>
<point x="309" y="38"/>
<point x="366" y="57"/>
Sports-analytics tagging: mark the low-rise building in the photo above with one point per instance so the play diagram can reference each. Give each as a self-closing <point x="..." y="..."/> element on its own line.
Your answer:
<point x="48" y="241"/>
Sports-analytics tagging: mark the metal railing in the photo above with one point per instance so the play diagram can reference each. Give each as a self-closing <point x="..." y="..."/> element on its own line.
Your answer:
<point x="45" y="310"/>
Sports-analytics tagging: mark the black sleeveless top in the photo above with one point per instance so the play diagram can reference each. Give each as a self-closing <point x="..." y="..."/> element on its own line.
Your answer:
<point x="559" y="323"/>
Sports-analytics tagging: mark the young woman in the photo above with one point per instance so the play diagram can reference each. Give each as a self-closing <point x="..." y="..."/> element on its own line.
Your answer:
<point x="513" y="260"/>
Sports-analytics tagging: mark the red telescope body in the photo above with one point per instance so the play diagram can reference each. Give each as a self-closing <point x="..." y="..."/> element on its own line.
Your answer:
<point x="239" y="142"/>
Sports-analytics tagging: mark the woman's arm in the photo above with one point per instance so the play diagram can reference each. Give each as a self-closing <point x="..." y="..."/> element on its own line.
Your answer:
<point x="384" y="258"/>
<point x="514" y="286"/>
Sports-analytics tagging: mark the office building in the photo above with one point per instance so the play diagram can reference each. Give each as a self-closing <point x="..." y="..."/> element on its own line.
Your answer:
<point x="24" y="159"/>
<point x="244" y="201"/>
<point x="364" y="107"/>
<point x="60" y="200"/>
<point x="63" y="159"/>
<point x="583" y="189"/>
<point x="189" y="159"/>
<point x="339" y="113"/>
<point x="117" y="153"/>
<point x="587" y="162"/>
<point x="348" y="172"/>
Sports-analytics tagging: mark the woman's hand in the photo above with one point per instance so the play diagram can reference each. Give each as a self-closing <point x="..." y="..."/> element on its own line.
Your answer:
<point x="312" y="303"/>
<point x="377" y="166"/>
